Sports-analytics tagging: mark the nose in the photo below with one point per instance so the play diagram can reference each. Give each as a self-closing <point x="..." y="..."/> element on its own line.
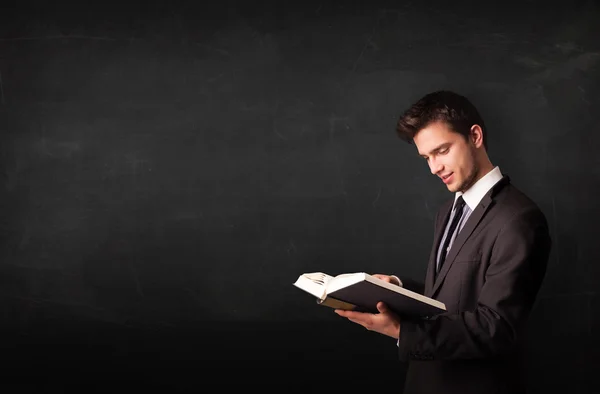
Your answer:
<point x="435" y="166"/>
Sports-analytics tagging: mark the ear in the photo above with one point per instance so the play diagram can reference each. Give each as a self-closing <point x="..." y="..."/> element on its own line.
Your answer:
<point x="476" y="135"/>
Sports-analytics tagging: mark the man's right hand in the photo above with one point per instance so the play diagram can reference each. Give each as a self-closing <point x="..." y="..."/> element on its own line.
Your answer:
<point x="388" y="278"/>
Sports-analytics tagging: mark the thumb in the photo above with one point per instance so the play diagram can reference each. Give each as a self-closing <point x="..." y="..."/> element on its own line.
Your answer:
<point x="382" y="307"/>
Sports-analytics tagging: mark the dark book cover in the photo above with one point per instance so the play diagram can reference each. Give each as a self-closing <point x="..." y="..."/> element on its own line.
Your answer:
<point x="365" y="295"/>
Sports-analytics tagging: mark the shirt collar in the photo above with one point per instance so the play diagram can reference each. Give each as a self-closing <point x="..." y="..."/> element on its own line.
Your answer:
<point x="476" y="192"/>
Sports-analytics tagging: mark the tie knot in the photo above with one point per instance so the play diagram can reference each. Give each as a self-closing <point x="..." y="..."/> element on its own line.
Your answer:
<point x="460" y="202"/>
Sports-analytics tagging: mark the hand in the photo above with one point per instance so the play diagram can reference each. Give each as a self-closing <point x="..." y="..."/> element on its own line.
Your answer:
<point x="385" y="322"/>
<point x="387" y="278"/>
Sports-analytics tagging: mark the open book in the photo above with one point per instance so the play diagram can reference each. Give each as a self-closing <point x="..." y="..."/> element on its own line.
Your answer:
<point x="361" y="292"/>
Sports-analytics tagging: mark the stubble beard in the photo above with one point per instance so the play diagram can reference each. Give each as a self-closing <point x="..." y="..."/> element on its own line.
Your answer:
<point x="470" y="179"/>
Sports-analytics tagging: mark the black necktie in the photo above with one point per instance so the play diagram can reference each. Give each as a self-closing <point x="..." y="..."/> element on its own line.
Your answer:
<point x="458" y="206"/>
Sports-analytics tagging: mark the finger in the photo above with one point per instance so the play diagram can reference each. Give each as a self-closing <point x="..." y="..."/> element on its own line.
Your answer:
<point x="345" y="313"/>
<point x="353" y="315"/>
<point x="384" y="278"/>
<point x="382" y="307"/>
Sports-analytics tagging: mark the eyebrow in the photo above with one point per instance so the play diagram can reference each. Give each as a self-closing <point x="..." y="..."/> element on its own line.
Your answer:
<point x="437" y="149"/>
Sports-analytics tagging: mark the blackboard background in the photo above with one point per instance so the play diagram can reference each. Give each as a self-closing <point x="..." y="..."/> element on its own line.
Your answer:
<point x="169" y="169"/>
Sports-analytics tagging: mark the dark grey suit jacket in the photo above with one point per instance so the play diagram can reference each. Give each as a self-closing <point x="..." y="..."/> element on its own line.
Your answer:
<point x="489" y="283"/>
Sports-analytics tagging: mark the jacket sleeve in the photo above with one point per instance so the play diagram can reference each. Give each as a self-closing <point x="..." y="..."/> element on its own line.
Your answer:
<point x="516" y="269"/>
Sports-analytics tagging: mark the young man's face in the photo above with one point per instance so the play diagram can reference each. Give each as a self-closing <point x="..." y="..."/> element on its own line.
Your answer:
<point x="449" y="155"/>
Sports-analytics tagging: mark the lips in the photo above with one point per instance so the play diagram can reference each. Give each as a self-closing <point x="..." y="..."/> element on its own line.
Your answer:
<point x="447" y="178"/>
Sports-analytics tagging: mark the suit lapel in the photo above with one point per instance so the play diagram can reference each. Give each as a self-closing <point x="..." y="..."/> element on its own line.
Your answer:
<point x="464" y="234"/>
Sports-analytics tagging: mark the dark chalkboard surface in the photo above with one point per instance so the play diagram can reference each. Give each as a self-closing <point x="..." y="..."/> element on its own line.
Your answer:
<point x="156" y="156"/>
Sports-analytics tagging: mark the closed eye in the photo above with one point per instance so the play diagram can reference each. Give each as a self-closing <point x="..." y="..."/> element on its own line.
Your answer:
<point x="441" y="150"/>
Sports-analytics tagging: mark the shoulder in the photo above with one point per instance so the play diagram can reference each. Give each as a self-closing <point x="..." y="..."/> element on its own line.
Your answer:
<point x="514" y="206"/>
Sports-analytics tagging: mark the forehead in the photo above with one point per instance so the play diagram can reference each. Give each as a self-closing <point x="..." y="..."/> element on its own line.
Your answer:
<point x="433" y="136"/>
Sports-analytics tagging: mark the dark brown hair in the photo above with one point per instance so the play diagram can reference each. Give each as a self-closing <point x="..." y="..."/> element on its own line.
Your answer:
<point x="440" y="106"/>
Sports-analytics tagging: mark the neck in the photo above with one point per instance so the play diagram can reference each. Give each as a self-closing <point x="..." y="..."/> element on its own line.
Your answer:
<point x="484" y="169"/>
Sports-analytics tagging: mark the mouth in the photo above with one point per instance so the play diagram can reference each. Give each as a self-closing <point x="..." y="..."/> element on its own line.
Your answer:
<point x="447" y="178"/>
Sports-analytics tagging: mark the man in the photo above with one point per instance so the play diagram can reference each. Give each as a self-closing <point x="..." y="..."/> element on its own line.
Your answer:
<point x="487" y="267"/>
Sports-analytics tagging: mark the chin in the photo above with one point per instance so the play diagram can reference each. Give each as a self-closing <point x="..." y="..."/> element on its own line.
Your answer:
<point x="452" y="188"/>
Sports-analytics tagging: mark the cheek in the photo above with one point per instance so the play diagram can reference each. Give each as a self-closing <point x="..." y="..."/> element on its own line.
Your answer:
<point x="462" y="164"/>
<point x="456" y="163"/>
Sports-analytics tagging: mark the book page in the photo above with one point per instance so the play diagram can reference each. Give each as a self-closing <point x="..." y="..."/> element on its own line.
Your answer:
<point x="313" y="283"/>
<point x="337" y="304"/>
<point x="344" y="280"/>
<point x="319" y="277"/>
